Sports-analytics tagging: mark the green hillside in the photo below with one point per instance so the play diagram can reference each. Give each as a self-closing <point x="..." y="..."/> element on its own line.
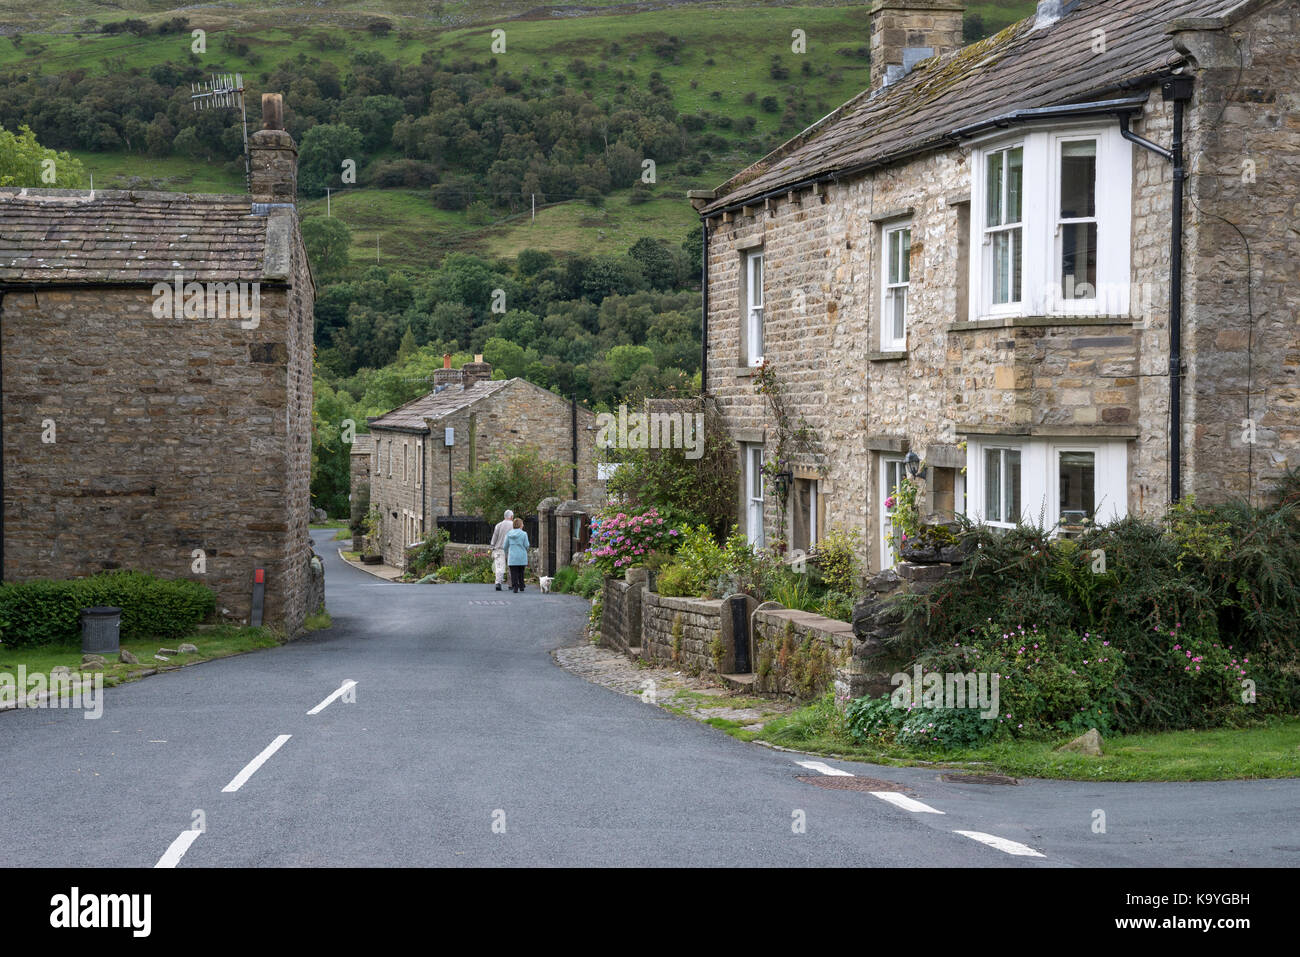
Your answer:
<point x="729" y="65"/>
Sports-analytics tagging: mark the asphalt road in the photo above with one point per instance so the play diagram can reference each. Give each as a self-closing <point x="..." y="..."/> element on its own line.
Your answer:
<point x="467" y="745"/>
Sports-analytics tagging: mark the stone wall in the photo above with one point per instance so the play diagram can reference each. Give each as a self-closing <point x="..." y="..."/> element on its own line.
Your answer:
<point x="170" y="436"/>
<point x="1241" y="335"/>
<point x="798" y="653"/>
<point x="620" y="611"/>
<point x="683" y="631"/>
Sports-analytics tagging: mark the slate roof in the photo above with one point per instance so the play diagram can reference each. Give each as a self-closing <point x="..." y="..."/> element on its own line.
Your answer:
<point x="1019" y="68"/>
<point x="57" y="235"/>
<point x="435" y="405"/>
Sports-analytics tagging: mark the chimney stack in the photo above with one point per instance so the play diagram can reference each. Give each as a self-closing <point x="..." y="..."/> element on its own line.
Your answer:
<point x="1049" y="11"/>
<point x="904" y="32"/>
<point x="446" y="375"/>
<point x="273" y="156"/>
<point x="476" y="371"/>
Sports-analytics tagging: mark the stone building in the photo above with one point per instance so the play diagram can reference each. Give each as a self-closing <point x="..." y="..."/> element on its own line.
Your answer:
<point x="975" y="263"/>
<point x="157" y="389"/>
<point x="415" y="472"/>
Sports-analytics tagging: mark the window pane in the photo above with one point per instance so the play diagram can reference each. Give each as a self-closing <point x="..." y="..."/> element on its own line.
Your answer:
<point x="1079" y="260"/>
<point x="1015" y="183"/>
<point x="993" y="190"/>
<point x="904" y="255"/>
<point x="1078" y="477"/>
<point x="900" y="312"/>
<point x="757" y="287"/>
<point x="893" y="257"/>
<point x="756" y="332"/>
<point x="1015" y="263"/>
<point x="1079" y="179"/>
<point x="993" y="485"/>
<point x="756" y="473"/>
<point x="1012" y="466"/>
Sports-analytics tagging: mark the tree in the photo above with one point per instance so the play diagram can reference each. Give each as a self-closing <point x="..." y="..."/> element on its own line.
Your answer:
<point x="322" y="152"/>
<point x="657" y="262"/>
<point x="328" y="240"/>
<point x="518" y="482"/>
<point x="24" y="162"/>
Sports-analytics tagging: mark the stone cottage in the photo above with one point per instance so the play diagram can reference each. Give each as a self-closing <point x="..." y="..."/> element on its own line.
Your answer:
<point x="157" y="391"/>
<point x="422" y="448"/>
<point x="1050" y="268"/>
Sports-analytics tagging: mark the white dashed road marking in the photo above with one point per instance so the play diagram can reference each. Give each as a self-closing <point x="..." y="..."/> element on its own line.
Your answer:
<point x="1001" y="843"/>
<point x="906" y="803"/>
<point x="343" y="688"/>
<point x="172" y="856"/>
<point x="823" y="768"/>
<point x="251" y="767"/>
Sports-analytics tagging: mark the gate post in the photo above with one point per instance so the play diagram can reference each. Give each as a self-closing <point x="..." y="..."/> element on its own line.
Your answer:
<point x="546" y="535"/>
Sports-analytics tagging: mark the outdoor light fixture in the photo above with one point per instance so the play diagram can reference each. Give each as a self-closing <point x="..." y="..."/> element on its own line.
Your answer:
<point x="783" y="482"/>
<point x="913" y="466"/>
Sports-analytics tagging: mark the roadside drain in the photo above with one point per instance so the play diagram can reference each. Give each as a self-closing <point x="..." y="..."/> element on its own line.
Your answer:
<point x="977" y="779"/>
<point x="849" y="783"/>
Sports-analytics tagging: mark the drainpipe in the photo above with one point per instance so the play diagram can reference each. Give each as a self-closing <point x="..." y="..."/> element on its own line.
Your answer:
<point x="704" y="324"/>
<point x="1177" y="90"/>
<point x="573" y="432"/>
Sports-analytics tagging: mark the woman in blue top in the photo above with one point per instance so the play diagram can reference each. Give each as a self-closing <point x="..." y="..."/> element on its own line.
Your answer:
<point x="517" y="554"/>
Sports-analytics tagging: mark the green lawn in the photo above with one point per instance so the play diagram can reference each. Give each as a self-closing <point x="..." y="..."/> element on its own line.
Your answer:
<point x="167" y="173"/>
<point x="1271" y="750"/>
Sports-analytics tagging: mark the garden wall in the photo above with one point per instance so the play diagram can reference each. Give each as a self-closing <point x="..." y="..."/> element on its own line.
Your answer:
<point x="620" y="611"/>
<point x="798" y="653"/>
<point x="701" y="631"/>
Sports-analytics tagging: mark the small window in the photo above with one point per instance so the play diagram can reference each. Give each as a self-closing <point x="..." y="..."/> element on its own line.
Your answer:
<point x="1077" y="473"/>
<point x="1003" y="229"/>
<point x="805" y="527"/>
<point x="892" y="471"/>
<point x="419" y="463"/>
<point x="898" y="249"/>
<point x="754" y="494"/>
<point x="1002" y="486"/>
<point x="754" y="308"/>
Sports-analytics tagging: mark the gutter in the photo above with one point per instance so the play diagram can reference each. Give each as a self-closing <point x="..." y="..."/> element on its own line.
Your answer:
<point x="704" y="323"/>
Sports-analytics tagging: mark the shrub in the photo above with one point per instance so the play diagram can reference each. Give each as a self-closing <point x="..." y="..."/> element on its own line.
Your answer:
<point x="469" y="568"/>
<point x="835" y="560"/>
<point x="47" y="612"/>
<point x="564" y="579"/>
<point x="428" y="554"/>
<point x="518" y="482"/>
<point x="590" y="582"/>
<point x="674" y="582"/>
<point x="620" y="541"/>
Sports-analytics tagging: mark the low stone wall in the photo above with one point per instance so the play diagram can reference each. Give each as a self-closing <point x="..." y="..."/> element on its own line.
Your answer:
<point x="620" y="611"/>
<point x="682" y="631"/>
<point x="798" y="653"/>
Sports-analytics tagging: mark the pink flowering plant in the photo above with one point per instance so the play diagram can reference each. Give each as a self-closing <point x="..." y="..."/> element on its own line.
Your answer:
<point x="620" y="540"/>
<point x="1051" y="681"/>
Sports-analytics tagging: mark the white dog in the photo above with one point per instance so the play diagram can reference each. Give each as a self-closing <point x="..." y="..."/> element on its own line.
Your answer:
<point x="545" y="582"/>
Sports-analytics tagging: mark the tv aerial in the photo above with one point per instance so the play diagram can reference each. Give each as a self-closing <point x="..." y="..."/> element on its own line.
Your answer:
<point x="223" y="91"/>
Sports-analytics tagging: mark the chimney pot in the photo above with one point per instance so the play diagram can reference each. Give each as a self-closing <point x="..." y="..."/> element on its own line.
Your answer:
<point x="446" y="360"/>
<point x="272" y="111"/>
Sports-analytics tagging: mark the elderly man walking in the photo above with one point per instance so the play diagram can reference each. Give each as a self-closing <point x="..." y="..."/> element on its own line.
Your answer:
<point x="498" y="544"/>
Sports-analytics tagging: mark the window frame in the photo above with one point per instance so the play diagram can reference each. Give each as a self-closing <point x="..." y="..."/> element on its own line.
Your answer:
<point x="887" y="558"/>
<point x="889" y="342"/>
<point x="1040" y="207"/>
<point x="1040" y="477"/>
<point x="754" y="315"/>
<point x="753" y="470"/>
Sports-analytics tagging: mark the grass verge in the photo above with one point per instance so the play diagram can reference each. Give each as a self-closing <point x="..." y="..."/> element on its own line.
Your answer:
<point x="220" y="641"/>
<point x="1268" y="750"/>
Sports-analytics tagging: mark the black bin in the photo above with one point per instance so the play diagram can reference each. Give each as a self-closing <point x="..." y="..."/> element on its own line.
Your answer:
<point x="100" y="628"/>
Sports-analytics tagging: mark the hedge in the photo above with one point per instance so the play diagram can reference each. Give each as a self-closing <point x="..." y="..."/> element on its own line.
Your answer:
<point x="44" y="612"/>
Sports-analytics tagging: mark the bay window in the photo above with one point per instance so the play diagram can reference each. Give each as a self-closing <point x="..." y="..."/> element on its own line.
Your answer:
<point x="1062" y="484"/>
<point x="1052" y="242"/>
